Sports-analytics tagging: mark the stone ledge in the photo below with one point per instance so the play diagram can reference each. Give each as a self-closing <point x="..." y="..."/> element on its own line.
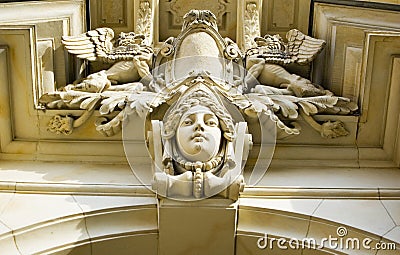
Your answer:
<point x="119" y="180"/>
<point x="326" y="193"/>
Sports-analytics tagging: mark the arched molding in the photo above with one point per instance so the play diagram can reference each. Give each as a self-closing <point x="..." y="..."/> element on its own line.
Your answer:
<point x="294" y="222"/>
<point x="65" y="224"/>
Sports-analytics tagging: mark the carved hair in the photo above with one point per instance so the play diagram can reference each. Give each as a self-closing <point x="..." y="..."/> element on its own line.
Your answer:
<point x="199" y="97"/>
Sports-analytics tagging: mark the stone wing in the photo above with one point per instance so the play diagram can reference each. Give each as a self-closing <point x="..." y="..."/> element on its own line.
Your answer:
<point x="91" y="45"/>
<point x="303" y="48"/>
<point x="98" y="45"/>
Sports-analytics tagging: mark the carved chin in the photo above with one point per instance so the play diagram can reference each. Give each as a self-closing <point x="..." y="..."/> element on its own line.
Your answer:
<point x="198" y="146"/>
<point x="199" y="152"/>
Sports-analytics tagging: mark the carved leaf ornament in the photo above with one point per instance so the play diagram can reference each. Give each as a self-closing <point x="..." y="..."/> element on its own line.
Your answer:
<point x="278" y="94"/>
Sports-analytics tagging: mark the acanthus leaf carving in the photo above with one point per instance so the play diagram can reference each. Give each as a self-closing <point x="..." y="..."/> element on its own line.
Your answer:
<point x="278" y="93"/>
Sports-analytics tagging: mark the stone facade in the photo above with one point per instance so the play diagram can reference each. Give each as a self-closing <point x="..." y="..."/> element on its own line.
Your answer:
<point x="73" y="180"/>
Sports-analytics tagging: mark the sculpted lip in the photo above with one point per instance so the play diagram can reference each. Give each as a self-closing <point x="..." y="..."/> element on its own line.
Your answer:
<point x="198" y="135"/>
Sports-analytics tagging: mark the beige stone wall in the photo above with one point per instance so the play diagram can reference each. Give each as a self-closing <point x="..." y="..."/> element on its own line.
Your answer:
<point x="77" y="195"/>
<point x="384" y="1"/>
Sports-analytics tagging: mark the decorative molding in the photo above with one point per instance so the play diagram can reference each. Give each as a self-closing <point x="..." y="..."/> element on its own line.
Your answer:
<point x="352" y="73"/>
<point x="320" y="193"/>
<point x="6" y="136"/>
<point x="261" y="220"/>
<point x="52" y="20"/>
<point x="20" y="41"/>
<point x="342" y="27"/>
<point x="391" y="138"/>
<point x="248" y="192"/>
<point x="379" y="84"/>
<point x="251" y="24"/>
<point x="47" y="21"/>
<point x="379" y="4"/>
<point x="365" y="40"/>
<point x="133" y="221"/>
<point x="144" y="21"/>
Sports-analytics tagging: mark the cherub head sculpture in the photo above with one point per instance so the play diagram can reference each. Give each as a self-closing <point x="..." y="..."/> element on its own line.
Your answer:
<point x="198" y="132"/>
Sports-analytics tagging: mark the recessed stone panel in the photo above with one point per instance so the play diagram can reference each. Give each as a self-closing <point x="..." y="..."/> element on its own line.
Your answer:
<point x="171" y="16"/>
<point x="52" y="20"/>
<point x="342" y="27"/>
<point x="279" y="16"/>
<point x="20" y="42"/>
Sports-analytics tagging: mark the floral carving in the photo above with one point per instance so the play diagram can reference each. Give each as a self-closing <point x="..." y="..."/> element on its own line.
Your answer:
<point x="144" y="21"/>
<point x="251" y="25"/>
<point x="61" y="125"/>
<point x="131" y="85"/>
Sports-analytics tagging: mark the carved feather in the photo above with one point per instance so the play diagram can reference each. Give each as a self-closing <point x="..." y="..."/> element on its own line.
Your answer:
<point x="300" y="48"/>
<point x="98" y="45"/>
<point x="87" y="45"/>
<point x="272" y="49"/>
<point x="303" y="48"/>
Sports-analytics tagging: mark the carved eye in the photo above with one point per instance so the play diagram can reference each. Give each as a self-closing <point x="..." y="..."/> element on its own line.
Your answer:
<point x="211" y="120"/>
<point x="212" y="123"/>
<point x="187" y="122"/>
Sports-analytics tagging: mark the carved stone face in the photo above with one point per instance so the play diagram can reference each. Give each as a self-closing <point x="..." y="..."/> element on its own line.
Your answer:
<point x="198" y="136"/>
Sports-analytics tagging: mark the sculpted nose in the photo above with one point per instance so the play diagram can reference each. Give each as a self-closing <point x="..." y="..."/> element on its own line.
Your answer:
<point x="198" y="127"/>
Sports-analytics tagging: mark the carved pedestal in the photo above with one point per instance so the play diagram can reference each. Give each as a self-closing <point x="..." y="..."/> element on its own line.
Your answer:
<point x="202" y="227"/>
